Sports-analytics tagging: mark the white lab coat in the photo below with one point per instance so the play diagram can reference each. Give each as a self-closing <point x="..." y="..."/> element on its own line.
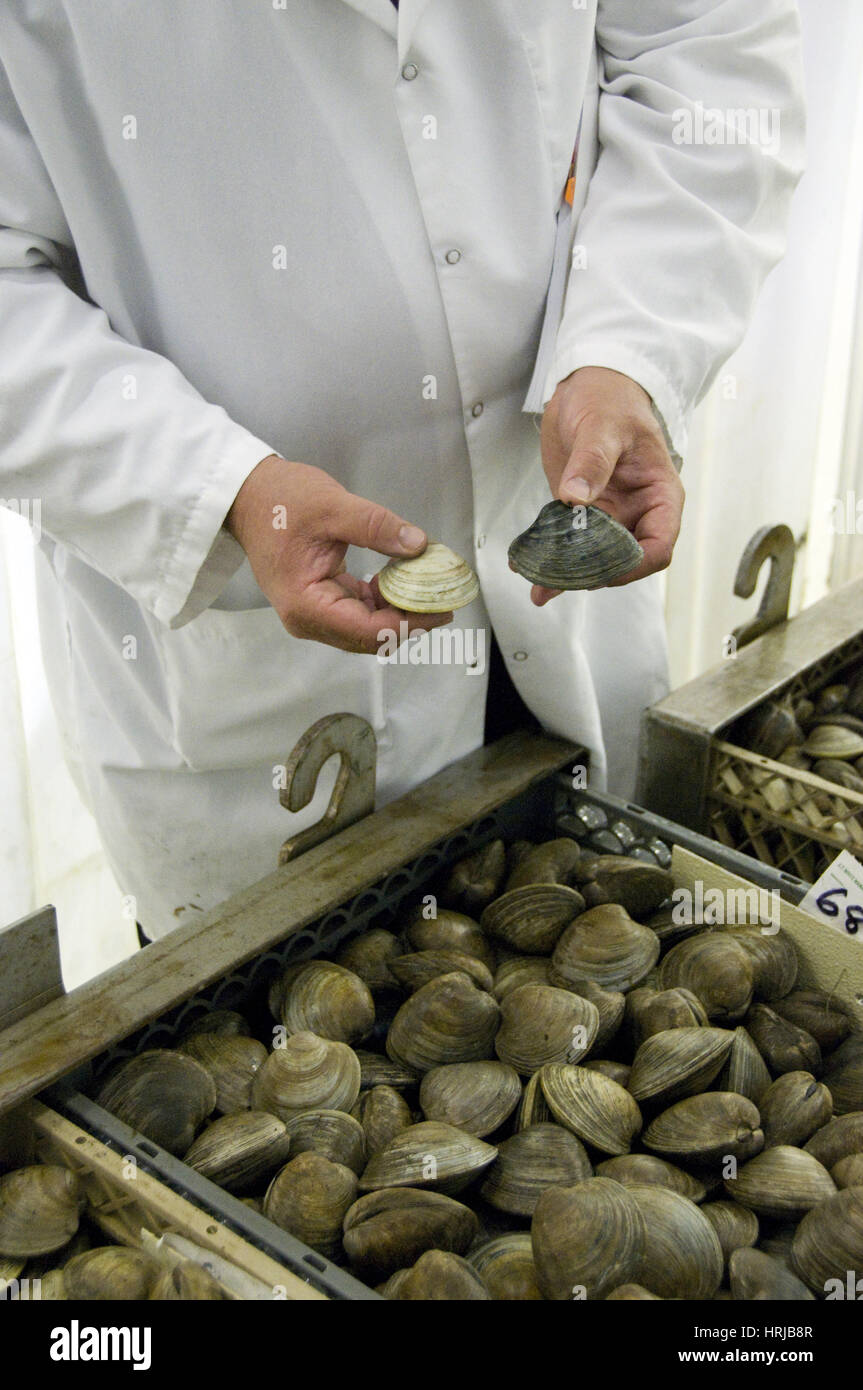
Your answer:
<point x="260" y="199"/>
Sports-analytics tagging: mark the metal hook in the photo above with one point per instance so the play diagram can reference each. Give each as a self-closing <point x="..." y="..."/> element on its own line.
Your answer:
<point x="776" y="544"/>
<point x="353" y="795"/>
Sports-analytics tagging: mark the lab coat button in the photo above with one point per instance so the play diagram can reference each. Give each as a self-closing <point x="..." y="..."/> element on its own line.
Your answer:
<point x="410" y="71"/>
<point x="477" y="410"/>
<point x="480" y="540"/>
<point x="519" y="656"/>
<point x="453" y="257"/>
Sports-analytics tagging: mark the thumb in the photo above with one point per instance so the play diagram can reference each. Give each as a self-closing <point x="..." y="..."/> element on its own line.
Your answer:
<point x="373" y="527"/>
<point x="592" y="460"/>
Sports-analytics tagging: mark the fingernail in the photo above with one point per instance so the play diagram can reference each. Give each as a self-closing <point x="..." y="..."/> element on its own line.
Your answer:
<point x="411" y="537"/>
<point x="577" y="490"/>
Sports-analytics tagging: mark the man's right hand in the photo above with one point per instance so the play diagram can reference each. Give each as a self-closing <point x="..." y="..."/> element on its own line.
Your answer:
<point x="295" y="524"/>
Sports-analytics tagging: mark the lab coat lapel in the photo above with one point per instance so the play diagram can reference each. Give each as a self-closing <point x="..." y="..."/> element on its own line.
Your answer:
<point x="382" y="12"/>
<point x="410" y="14"/>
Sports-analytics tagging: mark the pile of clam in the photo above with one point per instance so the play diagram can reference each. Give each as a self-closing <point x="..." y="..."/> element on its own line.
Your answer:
<point x="538" y="1085"/>
<point x="49" y="1250"/>
<point x="822" y="735"/>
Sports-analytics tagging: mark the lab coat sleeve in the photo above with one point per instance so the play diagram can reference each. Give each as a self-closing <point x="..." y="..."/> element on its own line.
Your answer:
<point x="677" y="234"/>
<point x="132" y="470"/>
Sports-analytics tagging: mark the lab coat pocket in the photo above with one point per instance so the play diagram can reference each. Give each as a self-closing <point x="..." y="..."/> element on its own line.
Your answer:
<point x="242" y="691"/>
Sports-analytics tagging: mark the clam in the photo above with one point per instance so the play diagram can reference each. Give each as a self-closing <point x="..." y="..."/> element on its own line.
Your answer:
<point x="854" y="698"/>
<point x="716" y="969"/>
<point x="647" y="1170"/>
<point x="530" y="919"/>
<point x="706" y="1128"/>
<point x="587" y="1239"/>
<point x="383" y="1113"/>
<point x="736" y="1227"/>
<point x="328" y="1000"/>
<point x="848" y="1172"/>
<point x="770" y="729"/>
<point x="429" y="1154"/>
<point x="377" y="1070"/>
<point x="829" y="1242"/>
<point x="616" y="1071"/>
<point x="637" y="887"/>
<point x="309" y="1198"/>
<point x="655" y="1011"/>
<point x="533" y="1109"/>
<point x="574" y="548"/>
<point x="233" y="1061"/>
<point x="793" y="1108"/>
<point x="39" y="1210"/>
<point x="745" y="1070"/>
<point x="477" y="878"/>
<point x="609" y="1004"/>
<point x="330" y="1133"/>
<point x="783" y="1045"/>
<point x="10" y="1267"/>
<point x="238" y="1151"/>
<point x="111" y="1272"/>
<point x="833" y="741"/>
<point x="679" y="1062"/>
<point x="591" y="1106"/>
<point x="779" y="1240"/>
<point x="682" y="1257"/>
<point x="554" y="861"/>
<point x="369" y="956"/>
<point x="390" y="1229"/>
<point x="307" y="1073"/>
<point x="606" y="946"/>
<point x="669" y="928"/>
<point x="519" y="970"/>
<point x="438" y="581"/>
<point x="449" y="931"/>
<point x="473" y="1096"/>
<point x="224" y="1023"/>
<point x="164" y="1095"/>
<point x="843" y="1076"/>
<point x="831" y="699"/>
<point x="781" y="1182"/>
<point x="418" y="967"/>
<point x="840" y="1137"/>
<point x="756" y="1277"/>
<point x="187" y="1282"/>
<point x="542" y="1024"/>
<point x="832" y="770"/>
<point x="818" y="1013"/>
<point x="438" y="1275"/>
<point x="631" y="1293"/>
<point x="447" y="1020"/>
<point x="506" y="1267"/>
<point x="539" y="1157"/>
<point x="516" y="851"/>
<point x="774" y="959"/>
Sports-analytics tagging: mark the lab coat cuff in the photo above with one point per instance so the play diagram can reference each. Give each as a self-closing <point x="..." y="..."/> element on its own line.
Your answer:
<point x="207" y="555"/>
<point x="668" y="405"/>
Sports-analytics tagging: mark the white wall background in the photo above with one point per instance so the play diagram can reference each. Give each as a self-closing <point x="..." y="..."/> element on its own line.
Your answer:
<point x="779" y="438"/>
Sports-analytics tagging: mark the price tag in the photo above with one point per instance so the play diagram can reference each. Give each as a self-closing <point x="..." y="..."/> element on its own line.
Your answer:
<point x="837" y="897"/>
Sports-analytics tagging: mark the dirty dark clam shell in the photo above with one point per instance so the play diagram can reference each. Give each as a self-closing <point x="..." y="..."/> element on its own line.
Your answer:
<point x="574" y="548"/>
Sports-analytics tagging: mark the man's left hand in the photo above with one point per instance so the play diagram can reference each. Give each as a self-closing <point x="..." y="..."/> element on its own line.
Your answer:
<point x="601" y="443"/>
